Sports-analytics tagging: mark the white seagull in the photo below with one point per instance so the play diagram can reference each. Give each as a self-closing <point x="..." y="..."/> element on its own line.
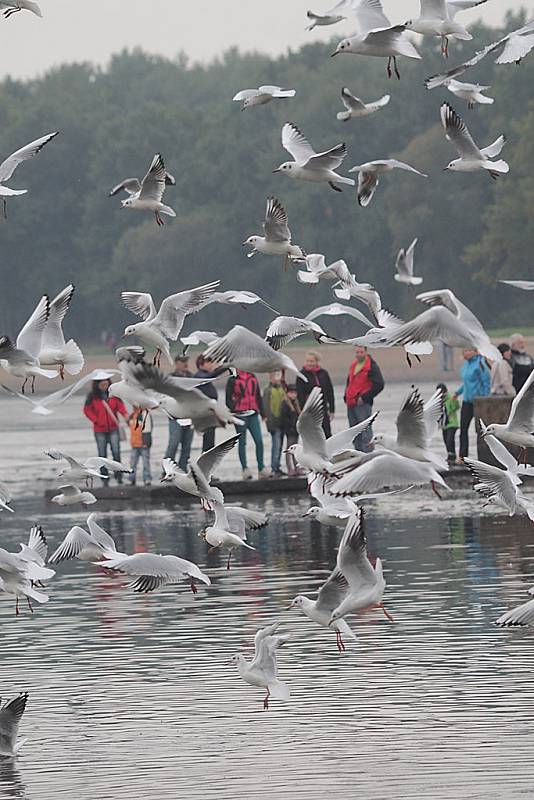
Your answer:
<point x="10" y="717"/>
<point x="8" y="167"/>
<point x="85" y="546"/>
<point x="262" y="670"/>
<point x="262" y="95"/>
<point x="499" y="487"/>
<point x="239" y="297"/>
<point x="338" y="310"/>
<point x="356" y="108"/>
<point x="12" y="6"/>
<point x="472" y="158"/>
<point x="152" y="571"/>
<point x="132" y="186"/>
<point x="283" y="330"/>
<point x="471" y="92"/>
<point x="370" y="173"/>
<point x="317" y="270"/>
<point x="518" y="617"/>
<point x="219" y="534"/>
<point x="19" y="576"/>
<point x="22" y="359"/>
<point x="276" y="240"/>
<point x="526" y="286"/>
<point x="37" y="547"/>
<point x="437" y="18"/>
<point x="311" y="451"/>
<point x="519" y="428"/>
<point x="71" y="495"/>
<point x="405" y="266"/>
<point x="46" y="405"/>
<point x="309" y="165"/>
<point x="55" y="352"/>
<point x="150" y="195"/>
<point x="330" y="17"/>
<point x="330" y="596"/>
<point x="384" y="469"/>
<point x="248" y="352"/>
<point x="385" y="41"/>
<point x="84" y="470"/>
<point x="158" y="327"/>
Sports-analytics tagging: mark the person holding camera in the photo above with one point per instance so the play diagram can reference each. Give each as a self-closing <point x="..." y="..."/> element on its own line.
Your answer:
<point x="140" y="442"/>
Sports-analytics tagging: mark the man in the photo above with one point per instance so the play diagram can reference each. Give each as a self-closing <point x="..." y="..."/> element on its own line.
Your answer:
<point x="476" y="382"/>
<point x="180" y="431"/>
<point x="522" y="364"/>
<point x="317" y="376"/>
<point x="243" y="398"/>
<point x="206" y="368"/>
<point x="364" y="383"/>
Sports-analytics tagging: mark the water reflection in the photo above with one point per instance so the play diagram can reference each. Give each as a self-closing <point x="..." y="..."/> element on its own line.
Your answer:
<point x="130" y="695"/>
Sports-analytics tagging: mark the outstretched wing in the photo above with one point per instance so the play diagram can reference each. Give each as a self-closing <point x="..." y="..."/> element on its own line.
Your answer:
<point x="130" y="185"/>
<point x="310" y="423"/>
<point x="174" y="309"/>
<point x="352" y="559"/>
<point x="30" y="337"/>
<point x="140" y="303"/>
<point x="330" y="159"/>
<point x="53" y="333"/>
<point x="276" y="226"/>
<point x="458" y="134"/>
<point x="10" y="717"/>
<point x="8" y="167"/>
<point x="351" y="102"/>
<point x="153" y="184"/>
<point x="210" y="459"/>
<point x="296" y="144"/>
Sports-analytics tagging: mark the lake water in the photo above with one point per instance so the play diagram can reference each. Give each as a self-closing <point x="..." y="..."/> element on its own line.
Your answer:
<point x="131" y="696"/>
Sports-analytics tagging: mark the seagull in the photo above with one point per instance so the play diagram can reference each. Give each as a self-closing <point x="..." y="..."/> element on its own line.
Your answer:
<point x="22" y="359"/>
<point x="54" y="350"/>
<point x="10" y="717"/>
<point x="71" y="496"/>
<point x="518" y="617"/>
<point x="284" y="330"/>
<point x="277" y="238"/>
<point x="37" y="548"/>
<point x="360" y="291"/>
<point x="309" y="165"/>
<point x="380" y="469"/>
<point x="132" y="186"/>
<point x="437" y="19"/>
<point x="369" y="176"/>
<point x="404" y="266"/>
<point x="159" y="326"/>
<point x="383" y="42"/>
<point x="364" y="584"/>
<point x="262" y="670"/>
<point x="129" y="390"/>
<point x="8" y="167"/>
<point x="311" y="451"/>
<point x="416" y="424"/>
<point x="515" y="46"/>
<point x="239" y="297"/>
<point x="337" y="310"/>
<point x="151" y="192"/>
<point x="527" y="286"/>
<point x="504" y="457"/>
<point x="499" y="487"/>
<point x="248" y="352"/>
<point x="262" y="95"/>
<point x="316" y="271"/>
<point x="471" y="158"/>
<point x="86" y="546"/>
<point x="331" y="17"/>
<point x="12" y="6"/>
<point x="206" y="464"/>
<point x="84" y="470"/>
<point x="472" y="92"/>
<point x="182" y="400"/>
<point x="220" y="535"/>
<point x="519" y="428"/>
<point x="356" y="108"/>
<point x="19" y="576"/>
<point x="5" y="499"/>
<point x="447" y="320"/>
<point x="388" y="323"/>
<point x="45" y="406"/>
<point x="152" y="571"/>
<point x="335" y="511"/>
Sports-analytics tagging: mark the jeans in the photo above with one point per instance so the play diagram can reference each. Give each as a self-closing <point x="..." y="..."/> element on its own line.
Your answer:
<point x="252" y="425"/>
<point x="112" y="440"/>
<point x="449" y="437"/>
<point x="276" y="450"/>
<point x="466" y="417"/>
<point x="208" y="439"/>
<point x="137" y="454"/>
<point x="357" y="414"/>
<point x="291" y="464"/>
<point x="179" y="434"/>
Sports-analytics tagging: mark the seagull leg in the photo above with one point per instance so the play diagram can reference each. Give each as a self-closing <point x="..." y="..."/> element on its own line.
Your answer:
<point x="5" y="208"/>
<point x="229" y="558"/>
<point x="24" y="386"/>
<point x="434" y="489"/>
<point x="389" y="68"/>
<point x="408" y="359"/>
<point x="62" y="371"/>
<point x="194" y="586"/>
<point x="334" y="187"/>
<point x="17" y="612"/>
<point x="29" y="604"/>
<point x="339" y="641"/>
<point x="386" y="612"/>
<point x="159" y="219"/>
<point x="397" y="73"/>
<point x="266" y="700"/>
<point x="33" y="384"/>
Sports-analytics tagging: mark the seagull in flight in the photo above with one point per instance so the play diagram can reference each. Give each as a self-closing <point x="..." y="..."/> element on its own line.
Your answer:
<point x="262" y="671"/>
<point x="356" y="108"/>
<point x="10" y="717"/>
<point x="309" y="165"/>
<point x="54" y="351"/>
<point x="150" y="194"/>
<point x="276" y="240"/>
<point x="22" y="358"/>
<point x="132" y="186"/>
<point x="13" y="6"/>
<point x="405" y="266"/>
<point x="472" y="158"/>
<point x="379" y="39"/>
<point x="471" y="92"/>
<point x="519" y="428"/>
<point x="437" y="18"/>
<point x="8" y="167"/>
<point x="369" y="176"/>
<point x="262" y="96"/>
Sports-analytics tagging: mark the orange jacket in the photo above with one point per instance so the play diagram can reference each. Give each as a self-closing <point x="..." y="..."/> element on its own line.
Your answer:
<point x="136" y="427"/>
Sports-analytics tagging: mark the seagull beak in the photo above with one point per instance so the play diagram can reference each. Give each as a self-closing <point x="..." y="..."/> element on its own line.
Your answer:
<point x="305" y="515"/>
<point x="276" y="170"/>
<point x="243" y="244"/>
<point x="335" y="53"/>
<point x="290" y="607"/>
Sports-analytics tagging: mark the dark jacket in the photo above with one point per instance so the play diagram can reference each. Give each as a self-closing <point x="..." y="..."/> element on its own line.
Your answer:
<point x="377" y="383"/>
<point x="209" y="388"/>
<point x="288" y="420"/>
<point x="243" y="393"/>
<point x="522" y="366"/>
<point x="316" y="378"/>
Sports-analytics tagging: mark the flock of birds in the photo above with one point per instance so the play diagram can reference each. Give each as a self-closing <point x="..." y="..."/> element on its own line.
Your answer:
<point x="339" y="478"/>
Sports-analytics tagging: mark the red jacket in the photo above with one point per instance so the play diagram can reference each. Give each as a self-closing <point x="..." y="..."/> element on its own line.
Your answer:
<point x="366" y="383"/>
<point x="243" y="393"/>
<point x="103" y="421"/>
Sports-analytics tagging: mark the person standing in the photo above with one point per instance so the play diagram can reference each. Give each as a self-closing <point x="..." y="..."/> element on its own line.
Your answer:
<point x="103" y="411"/>
<point x="475" y="383"/>
<point x="206" y="369"/>
<point x="364" y="383"/>
<point x="180" y="430"/>
<point x="317" y="376"/>
<point x="450" y="423"/>
<point x="522" y="362"/>
<point x="273" y="397"/>
<point x="140" y="442"/>
<point x="243" y="398"/>
<point x="289" y="415"/>
<point x="502" y="374"/>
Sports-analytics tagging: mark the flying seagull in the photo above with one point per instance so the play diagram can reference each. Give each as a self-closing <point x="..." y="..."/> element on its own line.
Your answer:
<point x="151" y="191"/>
<point x="471" y="92"/>
<point x="472" y="158"/>
<point x="12" y="6"/>
<point x="277" y="236"/>
<point x="404" y="266"/>
<point x="437" y="18"/>
<point x="262" y="95"/>
<point x="356" y="108"/>
<point x="8" y="167"/>
<point x="369" y="176"/>
<point x="309" y="165"/>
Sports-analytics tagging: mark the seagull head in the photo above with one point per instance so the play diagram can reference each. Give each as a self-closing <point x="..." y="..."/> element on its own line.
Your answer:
<point x="342" y="47"/>
<point x="127" y="203"/>
<point x="286" y="167"/>
<point x="292" y="449"/>
<point x="312" y="512"/>
<point x="131" y="330"/>
<point x="297" y="602"/>
<point x="491" y="430"/>
<point x="453" y="166"/>
<point x="252" y="240"/>
<point x="409" y="25"/>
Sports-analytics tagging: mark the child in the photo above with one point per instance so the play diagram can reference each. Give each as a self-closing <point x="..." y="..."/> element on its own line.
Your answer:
<point x="273" y="397"/>
<point x="450" y="422"/>
<point x="289" y="415"/>
<point x="141" y="442"/>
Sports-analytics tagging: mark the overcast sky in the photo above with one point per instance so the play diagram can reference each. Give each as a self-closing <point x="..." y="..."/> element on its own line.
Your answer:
<point x="91" y="30"/>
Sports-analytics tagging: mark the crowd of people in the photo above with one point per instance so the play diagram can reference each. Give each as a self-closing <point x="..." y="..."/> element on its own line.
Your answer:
<point x="279" y="405"/>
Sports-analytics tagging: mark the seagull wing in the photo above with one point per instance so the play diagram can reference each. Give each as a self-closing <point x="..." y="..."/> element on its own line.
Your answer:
<point x="210" y="459"/>
<point x="339" y="442"/>
<point x="37" y="542"/>
<point x="242" y="519"/>
<point x="95" y="462"/>
<point x="351" y="102"/>
<point x="276" y="227"/>
<point x="30" y="337"/>
<point x="434" y="409"/>
<point x="277" y="91"/>
<point x="352" y="559"/>
<point x="100" y="536"/>
<point x="527" y="286"/>
<point x="330" y="159"/>
<point x="8" y="167"/>
<point x="246" y="94"/>
<point x="283" y="330"/>
<point x="337" y="309"/>
<point x="153" y="184"/>
<point x="405" y="260"/>
<point x="435" y="323"/>
<point x="53" y="333"/>
<point x="73" y="543"/>
<point x="384" y="469"/>
<point x="10" y="716"/>
<point x="174" y="309"/>
<point x="455" y="6"/>
<point x="499" y="451"/>
<point x="332" y="592"/>
<point x="517" y="47"/>
<point x="519" y="616"/>
<point x="296" y="144"/>
<point x="239" y="342"/>
<point x="411" y="427"/>
<point x="522" y="412"/>
<point x="370" y="15"/>
<point x="310" y="424"/>
<point x="458" y="134"/>
<point x="140" y="303"/>
<point x="496" y="482"/>
<point x="367" y="186"/>
<point x="130" y="185"/>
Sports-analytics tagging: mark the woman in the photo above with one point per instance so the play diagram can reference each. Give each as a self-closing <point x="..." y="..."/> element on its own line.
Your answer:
<point x="103" y="411"/>
<point x="502" y="373"/>
<point x="243" y="398"/>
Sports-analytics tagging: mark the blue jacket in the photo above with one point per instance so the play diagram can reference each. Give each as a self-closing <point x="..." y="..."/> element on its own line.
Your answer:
<point x="476" y="379"/>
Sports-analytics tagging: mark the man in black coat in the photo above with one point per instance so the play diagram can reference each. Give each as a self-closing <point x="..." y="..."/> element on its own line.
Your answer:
<point x="317" y="376"/>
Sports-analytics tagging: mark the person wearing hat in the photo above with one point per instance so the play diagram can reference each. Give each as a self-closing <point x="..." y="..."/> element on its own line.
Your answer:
<point x="502" y="373"/>
<point x="180" y="430"/>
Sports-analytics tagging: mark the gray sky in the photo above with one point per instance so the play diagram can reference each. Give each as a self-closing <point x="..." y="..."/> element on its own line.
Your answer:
<point x="91" y="30"/>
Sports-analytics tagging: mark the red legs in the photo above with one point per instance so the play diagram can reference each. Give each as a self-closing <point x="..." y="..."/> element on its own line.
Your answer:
<point x="159" y="220"/>
<point x="339" y="641"/>
<point x="445" y="46"/>
<point x="386" y="612"/>
<point x="157" y="358"/>
<point x="29" y="604"/>
<point x="229" y="559"/>
<point x="62" y="371"/>
<point x="5" y="208"/>
<point x="266" y="700"/>
<point x="434" y="489"/>
<point x="194" y="586"/>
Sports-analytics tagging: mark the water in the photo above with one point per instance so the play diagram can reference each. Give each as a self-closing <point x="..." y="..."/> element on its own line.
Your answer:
<point x="130" y="696"/>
